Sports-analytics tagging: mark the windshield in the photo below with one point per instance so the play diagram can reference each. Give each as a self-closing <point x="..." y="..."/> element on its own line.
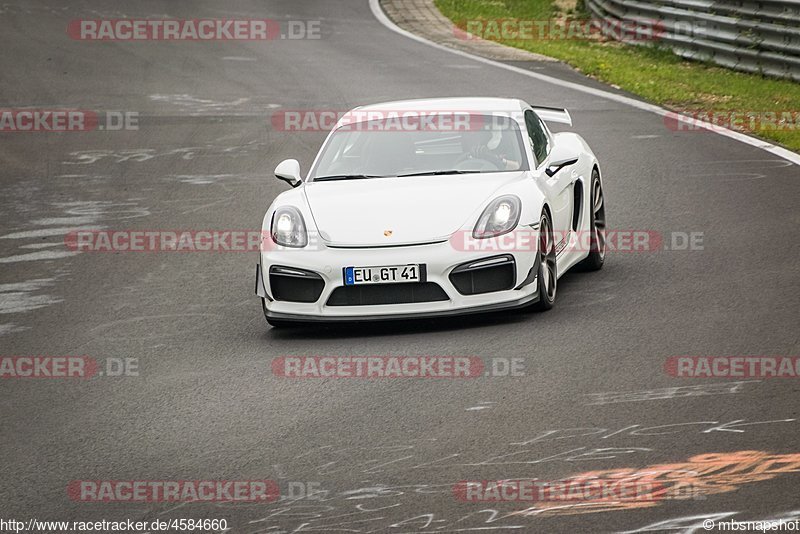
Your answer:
<point x="392" y="147"/>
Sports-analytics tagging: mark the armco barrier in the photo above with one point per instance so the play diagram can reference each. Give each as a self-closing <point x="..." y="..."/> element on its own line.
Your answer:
<point x="746" y="35"/>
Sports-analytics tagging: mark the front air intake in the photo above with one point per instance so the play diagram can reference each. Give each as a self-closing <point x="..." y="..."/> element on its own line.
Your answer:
<point x="375" y="294"/>
<point x="295" y="285"/>
<point x="486" y="275"/>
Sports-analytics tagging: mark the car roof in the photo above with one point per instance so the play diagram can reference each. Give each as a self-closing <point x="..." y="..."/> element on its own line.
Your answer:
<point x="465" y="104"/>
<point x="510" y="107"/>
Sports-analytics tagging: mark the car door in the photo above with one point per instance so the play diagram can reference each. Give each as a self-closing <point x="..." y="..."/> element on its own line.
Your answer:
<point x="558" y="187"/>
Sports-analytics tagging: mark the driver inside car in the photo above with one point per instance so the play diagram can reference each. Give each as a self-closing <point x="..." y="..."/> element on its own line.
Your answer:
<point x="490" y="145"/>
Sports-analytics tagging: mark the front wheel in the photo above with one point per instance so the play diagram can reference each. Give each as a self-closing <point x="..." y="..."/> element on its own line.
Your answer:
<point x="547" y="277"/>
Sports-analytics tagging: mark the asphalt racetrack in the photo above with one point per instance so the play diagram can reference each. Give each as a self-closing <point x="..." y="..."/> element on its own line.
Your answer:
<point x="200" y="400"/>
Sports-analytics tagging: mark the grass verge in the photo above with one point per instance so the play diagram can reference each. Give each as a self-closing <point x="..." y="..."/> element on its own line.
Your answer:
<point x="766" y="107"/>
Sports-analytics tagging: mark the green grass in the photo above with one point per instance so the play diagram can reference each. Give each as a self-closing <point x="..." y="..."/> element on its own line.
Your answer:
<point x="653" y="73"/>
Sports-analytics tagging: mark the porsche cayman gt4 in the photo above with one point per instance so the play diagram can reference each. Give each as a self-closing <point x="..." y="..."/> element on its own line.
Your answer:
<point x="428" y="208"/>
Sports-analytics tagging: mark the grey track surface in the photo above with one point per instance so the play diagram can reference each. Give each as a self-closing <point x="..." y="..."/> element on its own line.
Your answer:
<point x="206" y="405"/>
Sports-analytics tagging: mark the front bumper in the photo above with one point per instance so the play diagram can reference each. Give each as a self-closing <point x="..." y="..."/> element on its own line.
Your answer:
<point x="440" y="259"/>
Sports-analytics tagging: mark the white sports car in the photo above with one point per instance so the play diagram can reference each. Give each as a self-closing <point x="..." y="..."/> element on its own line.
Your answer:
<point x="429" y="208"/>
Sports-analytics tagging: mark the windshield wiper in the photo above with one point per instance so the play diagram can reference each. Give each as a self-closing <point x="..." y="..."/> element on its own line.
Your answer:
<point x="346" y="177"/>
<point x="365" y="176"/>
<point x="435" y="173"/>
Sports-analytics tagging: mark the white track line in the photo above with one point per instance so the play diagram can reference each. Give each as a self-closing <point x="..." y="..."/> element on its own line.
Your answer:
<point x="692" y="122"/>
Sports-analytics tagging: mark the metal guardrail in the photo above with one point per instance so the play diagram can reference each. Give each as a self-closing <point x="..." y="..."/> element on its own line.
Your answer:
<point x="747" y="35"/>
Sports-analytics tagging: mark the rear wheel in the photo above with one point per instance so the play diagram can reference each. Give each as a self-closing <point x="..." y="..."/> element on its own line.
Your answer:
<point x="597" y="227"/>
<point x="547" y="277"/>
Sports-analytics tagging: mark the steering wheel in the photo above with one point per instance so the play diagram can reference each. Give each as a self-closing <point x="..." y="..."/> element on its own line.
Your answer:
<point x="466" y="163"/>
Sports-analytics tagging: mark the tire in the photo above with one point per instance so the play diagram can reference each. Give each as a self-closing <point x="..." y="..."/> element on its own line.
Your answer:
<point x="597" y="225"/>
<point x="547" y="276"/>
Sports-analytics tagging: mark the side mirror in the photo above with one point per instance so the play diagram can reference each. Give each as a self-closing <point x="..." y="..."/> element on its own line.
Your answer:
<point x="562" y="156"/>
<point x="289" y="171"/>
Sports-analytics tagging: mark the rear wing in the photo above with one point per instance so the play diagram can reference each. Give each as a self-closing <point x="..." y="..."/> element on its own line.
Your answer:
<point x="549" y="114"/>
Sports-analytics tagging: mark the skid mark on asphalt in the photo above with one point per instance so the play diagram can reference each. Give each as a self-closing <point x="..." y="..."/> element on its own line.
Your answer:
<point x="10" y="328"/>
<point x="483" y="405"/>
<point x="40" y="245"/>
<point x="139" y="155"/>
<point x="403" y="506"/>
<point x="42" y="255"/>
<point x="47" y="232"/>
<point x="373" y="505"/>
<point x="217" y="179"/>
<point x="705" y="522"/>
<point x="72" y="221"/>
<point x="81" y="215"/>
<point x="196" y="104"/>
<point x="695" y="479"/>
<point x="677" y="392"/>
<point x="59" y="219"/>
<point x="20" y="297"/>
<point x="202" y="179"/>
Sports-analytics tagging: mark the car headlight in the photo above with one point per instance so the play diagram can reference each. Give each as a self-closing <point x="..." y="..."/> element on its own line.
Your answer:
<point x="499" y="217"/>
<point x="288" y="227"/>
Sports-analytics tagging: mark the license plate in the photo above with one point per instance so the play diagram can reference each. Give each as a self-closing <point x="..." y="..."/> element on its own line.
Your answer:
<point x="390" y="274"/>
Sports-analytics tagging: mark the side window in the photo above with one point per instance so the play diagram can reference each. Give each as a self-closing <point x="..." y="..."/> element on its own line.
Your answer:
<point x="538" y="138"/>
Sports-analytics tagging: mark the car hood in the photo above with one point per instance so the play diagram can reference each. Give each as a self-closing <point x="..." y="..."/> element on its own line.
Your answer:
<point x="397" y="211"/>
